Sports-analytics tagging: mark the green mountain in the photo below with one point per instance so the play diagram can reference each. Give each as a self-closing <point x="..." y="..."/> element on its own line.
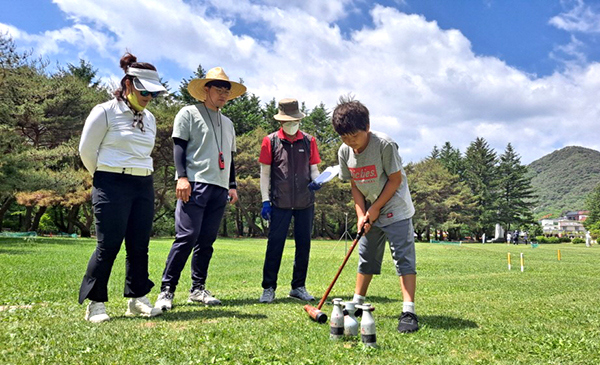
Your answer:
<point x="563" y="179"/>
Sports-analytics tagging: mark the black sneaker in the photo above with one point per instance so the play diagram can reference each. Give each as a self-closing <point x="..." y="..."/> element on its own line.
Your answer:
<point x="408" y="322"/>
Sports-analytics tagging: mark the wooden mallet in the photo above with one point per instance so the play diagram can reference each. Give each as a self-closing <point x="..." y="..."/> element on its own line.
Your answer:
<point x="315" y="312"/>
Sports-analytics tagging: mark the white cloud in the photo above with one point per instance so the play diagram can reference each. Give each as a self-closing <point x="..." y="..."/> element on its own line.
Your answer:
<point x="571" y="54"/>
<point x="325" y="11"/>
<point x="52" y="42"/>
<point x="422" y="84"/>
<point x="581" y="18"/>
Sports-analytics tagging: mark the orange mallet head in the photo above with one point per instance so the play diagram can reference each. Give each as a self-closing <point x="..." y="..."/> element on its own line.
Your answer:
<point x="315" y="314"/>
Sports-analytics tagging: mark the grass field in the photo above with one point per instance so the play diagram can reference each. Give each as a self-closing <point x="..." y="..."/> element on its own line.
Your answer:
<point x="471" y="308"/>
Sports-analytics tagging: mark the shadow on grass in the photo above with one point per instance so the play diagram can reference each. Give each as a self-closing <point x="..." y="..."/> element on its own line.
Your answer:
<point x="15" y="252"/>
<point x="35" y="241"/>
<point x="208" y="314"/>
<point x="278" y="300"/>
<point x="240" y="302"/>
<point x="380" y="300"/>
<point x="443" y="322"/>
<point x="447" y="323"/>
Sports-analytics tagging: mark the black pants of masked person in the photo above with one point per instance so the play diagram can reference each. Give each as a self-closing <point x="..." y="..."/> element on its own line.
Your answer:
<point x="124" y="209"/>
<point x="278" y="230"/>
<point x="197" y="224"/>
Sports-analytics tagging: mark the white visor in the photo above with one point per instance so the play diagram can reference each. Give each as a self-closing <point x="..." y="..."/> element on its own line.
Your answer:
<point x="146" y="80"/>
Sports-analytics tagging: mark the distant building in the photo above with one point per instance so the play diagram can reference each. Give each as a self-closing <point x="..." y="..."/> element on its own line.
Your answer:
<point x="579" y="215"/>
<point x="568" y="226"/>
<point x="549" y="226"/>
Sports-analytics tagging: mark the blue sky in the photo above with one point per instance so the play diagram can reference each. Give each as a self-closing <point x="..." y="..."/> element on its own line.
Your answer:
<point x="511" y="71"/>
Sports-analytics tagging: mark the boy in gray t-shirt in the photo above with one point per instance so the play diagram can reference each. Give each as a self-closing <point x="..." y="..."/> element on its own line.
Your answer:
<point x="371" y="162"/>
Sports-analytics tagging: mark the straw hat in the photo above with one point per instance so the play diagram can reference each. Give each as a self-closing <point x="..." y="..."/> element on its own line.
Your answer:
<point x="196" y="86"/>
<point x="288" y="111"/>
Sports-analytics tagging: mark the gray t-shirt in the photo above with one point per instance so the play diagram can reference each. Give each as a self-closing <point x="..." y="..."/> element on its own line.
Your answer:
<point x="205" y="130"/>
<point x="370" y="170"/>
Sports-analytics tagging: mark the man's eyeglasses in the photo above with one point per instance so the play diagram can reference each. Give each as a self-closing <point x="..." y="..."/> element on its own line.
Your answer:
<point x="222" y="91"/>
<point x="154" y="94"/>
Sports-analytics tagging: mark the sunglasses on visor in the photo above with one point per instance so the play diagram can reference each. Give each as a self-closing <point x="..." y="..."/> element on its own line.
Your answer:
<point x="154" y="94"/>
<point x="140" y="87"/>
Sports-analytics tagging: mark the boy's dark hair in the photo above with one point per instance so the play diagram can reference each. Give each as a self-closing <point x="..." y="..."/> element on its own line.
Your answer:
<point x="350" y="116"/>
<point x="219" y="83"/>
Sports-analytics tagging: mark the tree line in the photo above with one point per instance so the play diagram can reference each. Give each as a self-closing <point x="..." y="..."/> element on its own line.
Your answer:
<point x="44" y="186"/>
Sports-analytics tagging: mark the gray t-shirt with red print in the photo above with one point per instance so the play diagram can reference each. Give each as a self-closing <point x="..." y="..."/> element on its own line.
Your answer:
<point x="370" y="170"/>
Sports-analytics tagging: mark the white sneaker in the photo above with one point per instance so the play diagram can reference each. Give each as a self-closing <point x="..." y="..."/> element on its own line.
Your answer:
<point x="96" y="312"/>
<point x="165" y="300"/>
<point x="301" y="293"/>
<point x="268" y="296"/>
<point x="141" y="307"/>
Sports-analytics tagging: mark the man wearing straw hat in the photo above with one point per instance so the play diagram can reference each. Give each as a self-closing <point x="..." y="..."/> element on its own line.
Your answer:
<point x="288" y="161"/>
<point x="203" y="148"/>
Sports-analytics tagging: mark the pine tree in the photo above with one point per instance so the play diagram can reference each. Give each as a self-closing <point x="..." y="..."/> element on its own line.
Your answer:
<point x="452" y="159"/>
<point x="592" y="222"/>
<point x="516" y="196"/>
<point x="441" y="201"/>
<point x="85" y="72"/>
<point x="480" y="174"/>
<point x="435" y="153"/>
<point x="269" y="110"/>
<point x="185" y="96"/>
<point x="245" y="113"/>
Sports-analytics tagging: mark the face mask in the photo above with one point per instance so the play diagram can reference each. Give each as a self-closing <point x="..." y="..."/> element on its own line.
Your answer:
<point x="291" y="127"/>
<point x="134" y="102"/>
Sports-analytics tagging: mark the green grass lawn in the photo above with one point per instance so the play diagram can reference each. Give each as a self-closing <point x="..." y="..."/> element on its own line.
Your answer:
<point x="472" y="310"/>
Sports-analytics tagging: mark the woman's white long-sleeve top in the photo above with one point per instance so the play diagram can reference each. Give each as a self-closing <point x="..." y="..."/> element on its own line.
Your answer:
<point x="110" y="138"/>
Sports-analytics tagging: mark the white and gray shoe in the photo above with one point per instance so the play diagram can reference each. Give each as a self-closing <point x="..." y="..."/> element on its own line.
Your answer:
<point x="201" y="295"/>
<point x="96" y="312"/>
<point x="164" y="300"/>
<point x="301" y="293"/>
<point x="141" y="307"/>
<point x="268" y="296"/>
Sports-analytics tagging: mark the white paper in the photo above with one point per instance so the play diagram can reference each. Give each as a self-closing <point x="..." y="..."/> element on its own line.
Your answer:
<point x="328" y="174"/>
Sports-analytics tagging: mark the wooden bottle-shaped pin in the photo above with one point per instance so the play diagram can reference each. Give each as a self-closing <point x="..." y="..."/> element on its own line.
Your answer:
<point x="367" y="326"/>
<point x="336" y="323"/>
<point x="350" y="321"/>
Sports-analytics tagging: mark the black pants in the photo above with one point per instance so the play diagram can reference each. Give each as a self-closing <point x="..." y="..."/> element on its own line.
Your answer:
<point x="280" y="223"/>
<point x="124" y="209"/>
<point x="197" y="224"/>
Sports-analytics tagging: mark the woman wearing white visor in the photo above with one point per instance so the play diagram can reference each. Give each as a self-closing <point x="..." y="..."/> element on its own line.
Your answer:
<point x="116" y="144"/>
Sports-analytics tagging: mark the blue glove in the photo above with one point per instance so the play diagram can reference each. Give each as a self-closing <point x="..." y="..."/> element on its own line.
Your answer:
<point x="266" y="210"/>
<point x="314" y="186"/>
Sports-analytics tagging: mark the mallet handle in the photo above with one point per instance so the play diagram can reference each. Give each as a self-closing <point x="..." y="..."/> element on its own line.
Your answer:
<point x="358" y="236"/>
